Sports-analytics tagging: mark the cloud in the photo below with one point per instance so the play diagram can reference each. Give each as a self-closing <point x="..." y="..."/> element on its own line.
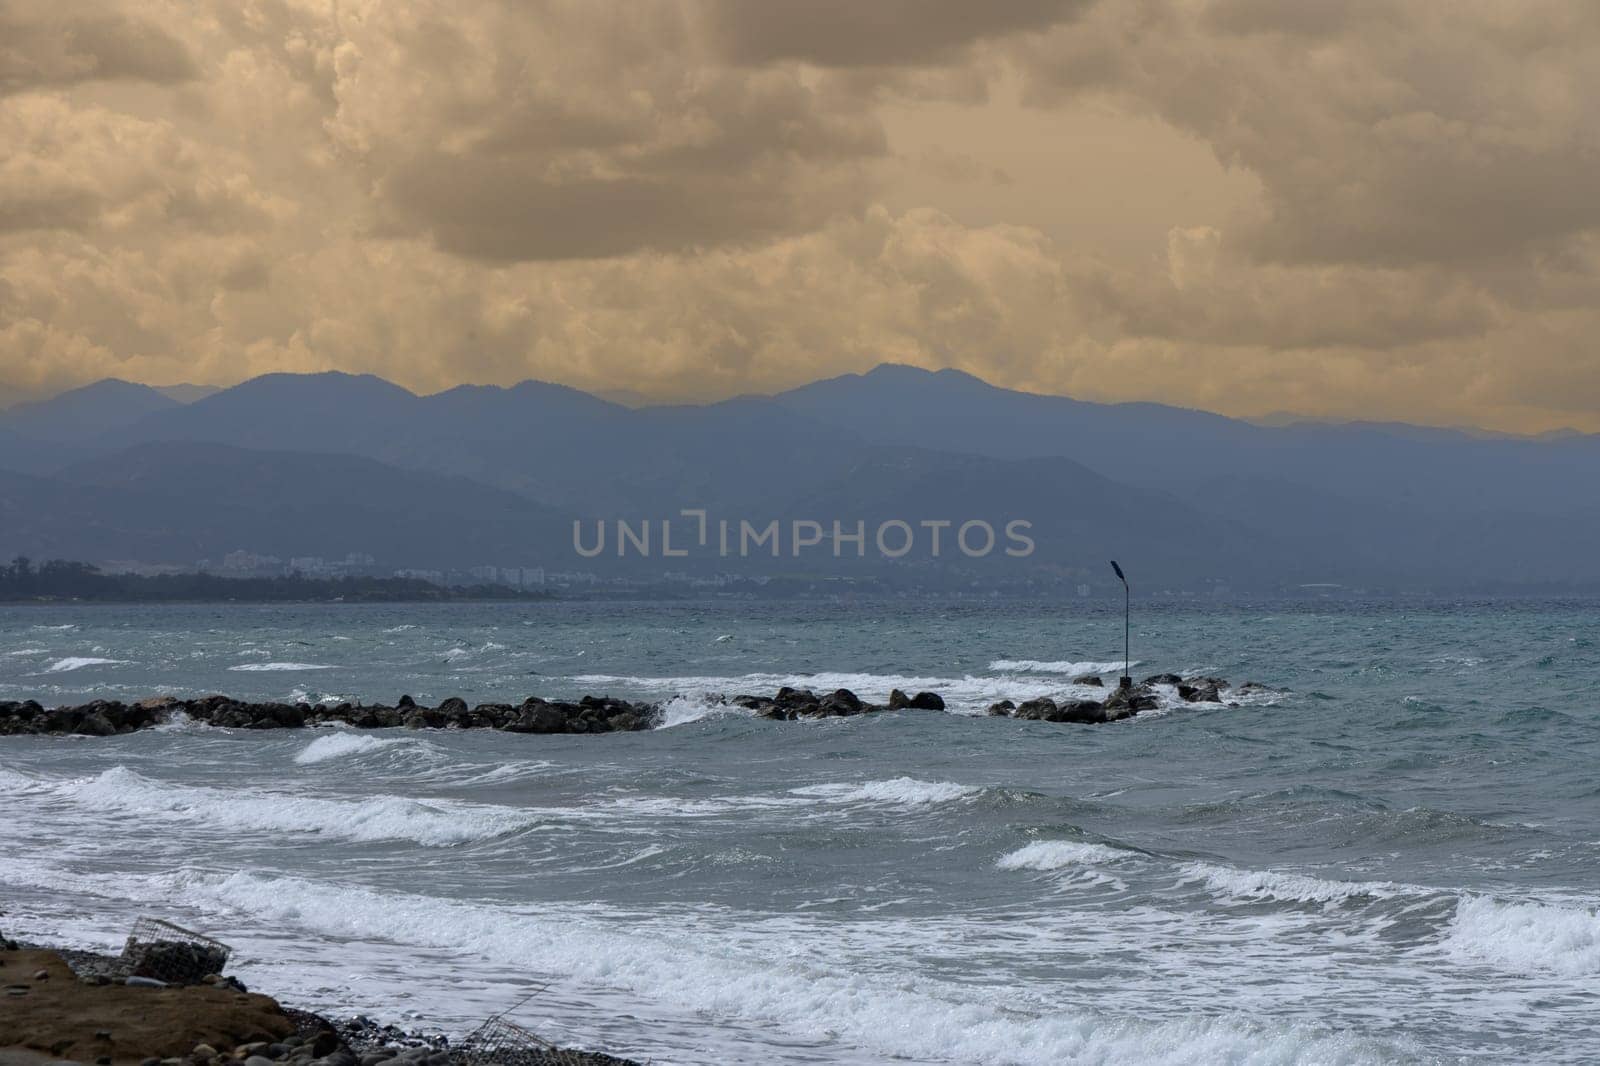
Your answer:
<point x="1383" y="132"/>
<point x="1374" y="209"/>
<point x="889" y="33"/>
<point x="581" y="133"/>
<point x="45" y="44"/>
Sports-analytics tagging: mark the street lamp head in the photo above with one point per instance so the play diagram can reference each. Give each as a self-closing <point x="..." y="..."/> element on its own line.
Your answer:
<point x="1118" y="569"/>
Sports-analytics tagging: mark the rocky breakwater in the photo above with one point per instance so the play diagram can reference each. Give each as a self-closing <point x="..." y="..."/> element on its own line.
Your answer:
<point x="1125" y="702"/>
<point x="794" y="703"/>
<point x="591" y="714"/>
<point x="104" y="718"/>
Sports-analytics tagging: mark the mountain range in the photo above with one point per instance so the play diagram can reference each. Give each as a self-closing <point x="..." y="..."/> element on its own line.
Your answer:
<point x="326" y="464"/>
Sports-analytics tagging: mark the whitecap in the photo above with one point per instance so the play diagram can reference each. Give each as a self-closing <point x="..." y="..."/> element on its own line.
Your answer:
<point x="1048" y="855"/>
<point x="901" y="790"/>
<point x="431" y="823"/>
<point x="259" y="668"/>
<point x="681" y="710"/>
<point x="341" y="745"/>
<point x="1257" y="885"/>
<point x="1062" y="666"/>
<point x="1526" y="936"/>
<point x="78" y="662"/>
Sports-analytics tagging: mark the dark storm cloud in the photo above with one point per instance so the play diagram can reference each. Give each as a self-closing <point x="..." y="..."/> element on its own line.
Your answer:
<point x="53" y="44"/>
<point x="887" y="33"/>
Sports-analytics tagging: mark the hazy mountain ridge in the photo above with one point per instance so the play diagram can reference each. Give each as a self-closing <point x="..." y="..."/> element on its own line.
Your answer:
<point x="1194" y="495"/>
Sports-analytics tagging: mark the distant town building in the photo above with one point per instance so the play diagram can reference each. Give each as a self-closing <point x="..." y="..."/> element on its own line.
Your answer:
<point x="250" y="562"/>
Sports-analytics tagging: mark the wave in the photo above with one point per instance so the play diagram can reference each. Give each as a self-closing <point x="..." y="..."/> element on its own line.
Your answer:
<point x="1064" y="666"/>
<point x="259" y="668"/>
<point x="378" y="818"/>
<point x="1258" y="885"/>
<point x="343" y="745"/>
<point x="902" y="790"/>
<point x="1526" y="937"/>
<point x="1048" y="855"/>
<point x="681" y="967"/>
<point x="78" y="662"/>
<point x="17" y="652"/>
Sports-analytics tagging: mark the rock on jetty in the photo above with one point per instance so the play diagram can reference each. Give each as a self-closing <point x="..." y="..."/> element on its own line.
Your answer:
<point x="591" y="714"/>
<point x="1123" y="702"/>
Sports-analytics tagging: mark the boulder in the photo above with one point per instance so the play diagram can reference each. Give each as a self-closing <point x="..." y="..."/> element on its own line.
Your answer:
<point x="1087" y="712"/>
<point x="1035" y="710"/>
<point x="95" y="724"/>
<point x="1003" y="709"/>
<point x="537" y="716"/>
<point x="841" y="702"/>
<point x="794" y="697"/>
<point x="898" y="700"/>
<point x="926" y="701"/>
<point x="1088" y="679"/>
<point x="1199" y="693"/>
<point x="1161" y="679"/>
<point x="1124" y="703"/>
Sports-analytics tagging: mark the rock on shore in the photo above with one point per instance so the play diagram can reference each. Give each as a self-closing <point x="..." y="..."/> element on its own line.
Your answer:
<point x="59" y="1007"/>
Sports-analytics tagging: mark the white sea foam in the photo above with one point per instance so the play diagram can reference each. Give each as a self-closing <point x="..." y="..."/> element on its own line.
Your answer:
<point x="900" y="790"/>
<point x="1256" y="885"/>
<point x="23" y="651"/>
<point x="1526" y="936"/>
<point x="1063" y="666"/>
<point x="681" y="710"/>
<point x="769" y="986"/>
<point x="431" y="823"/>
<point x="342" y="745"/>
<point x="78" y="662"/>
<point x="1058" y="855"/>
<point x="267" y="668"/>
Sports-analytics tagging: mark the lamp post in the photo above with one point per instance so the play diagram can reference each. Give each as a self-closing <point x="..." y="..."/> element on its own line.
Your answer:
<point x="1127" y="606"/>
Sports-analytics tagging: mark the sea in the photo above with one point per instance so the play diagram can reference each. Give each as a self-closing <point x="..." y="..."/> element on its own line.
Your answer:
<point x="1394" y="859"/>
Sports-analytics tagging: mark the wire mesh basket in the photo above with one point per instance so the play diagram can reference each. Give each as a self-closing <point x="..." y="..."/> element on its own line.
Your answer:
<point x="498" y="1042"/>
<point x="170" y="953"/>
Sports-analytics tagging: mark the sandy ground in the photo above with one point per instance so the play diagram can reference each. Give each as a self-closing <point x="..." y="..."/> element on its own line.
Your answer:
<point x="59" y="1017"/>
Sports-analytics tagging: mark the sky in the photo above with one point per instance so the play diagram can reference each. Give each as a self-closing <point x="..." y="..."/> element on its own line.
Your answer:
<point x="1373" y="209"/>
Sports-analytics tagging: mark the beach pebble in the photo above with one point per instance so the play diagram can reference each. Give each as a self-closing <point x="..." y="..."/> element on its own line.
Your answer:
<point x="325" y="1043"/>
<point x="258" y="1060"/>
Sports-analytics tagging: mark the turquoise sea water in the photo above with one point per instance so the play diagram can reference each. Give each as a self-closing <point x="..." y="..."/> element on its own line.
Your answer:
<point x="1397" y="860"/>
